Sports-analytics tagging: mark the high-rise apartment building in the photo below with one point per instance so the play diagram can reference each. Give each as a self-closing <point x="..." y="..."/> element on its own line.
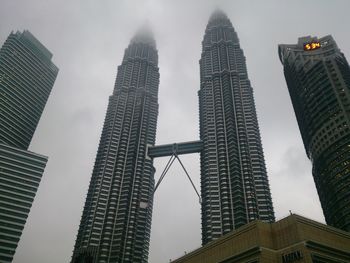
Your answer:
<point x="318" y="79"/>
<point x="27" y="76"/>
<point x="234" y="183"/>
<point x="116" y="221"/>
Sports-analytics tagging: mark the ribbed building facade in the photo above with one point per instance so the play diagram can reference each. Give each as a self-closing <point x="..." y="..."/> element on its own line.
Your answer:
<point x="20" y="175"/>
<point x="234" y="184"/>
<point x="318" y="79"/>
<point x="27" y="76"/>
<point x="116" y="221"/>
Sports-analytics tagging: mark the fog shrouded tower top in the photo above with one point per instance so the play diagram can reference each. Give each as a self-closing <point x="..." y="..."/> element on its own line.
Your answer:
<point x="116" y="221"/>
<point x="318" y="79"/>
<point x="234" y="184"/>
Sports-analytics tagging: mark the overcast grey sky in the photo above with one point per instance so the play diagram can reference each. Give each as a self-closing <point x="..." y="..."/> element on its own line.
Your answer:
<point x="88" y="38"/>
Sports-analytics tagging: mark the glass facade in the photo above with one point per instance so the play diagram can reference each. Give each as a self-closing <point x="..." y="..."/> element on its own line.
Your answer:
<point x="319" y="85"/>
<point x="20" y="175"/>
<point x="234" y="183"/>
<point x="116" y="221"/>
<point x="27" y="76"/>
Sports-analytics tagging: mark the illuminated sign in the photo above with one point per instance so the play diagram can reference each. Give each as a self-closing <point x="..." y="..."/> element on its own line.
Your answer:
<point x="312" y="46"/>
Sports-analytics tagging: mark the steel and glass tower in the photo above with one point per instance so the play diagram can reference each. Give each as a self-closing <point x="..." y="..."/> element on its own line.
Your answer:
<point x="318" y="79"/>
<point x="27" y="76"/>
<point x="116" y="221"/>
<point x="234" y="183"/>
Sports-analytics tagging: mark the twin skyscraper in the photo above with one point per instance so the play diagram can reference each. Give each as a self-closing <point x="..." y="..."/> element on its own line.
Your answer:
<point x="116" y="221"/>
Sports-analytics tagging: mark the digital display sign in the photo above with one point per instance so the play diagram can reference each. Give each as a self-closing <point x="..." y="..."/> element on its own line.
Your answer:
<point x="312" y="46"/>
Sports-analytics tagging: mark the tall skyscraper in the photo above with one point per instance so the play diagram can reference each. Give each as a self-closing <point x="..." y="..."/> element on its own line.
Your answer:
<point x="318" y="79"/>
<point x="116" y="221"/>
<point x="20" y="175"/>
<point x="234" y="183"/>
<point x="27" y="76"/>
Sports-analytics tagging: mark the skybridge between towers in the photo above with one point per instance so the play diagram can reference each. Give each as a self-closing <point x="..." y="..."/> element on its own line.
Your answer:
<point x="174" y="150"/>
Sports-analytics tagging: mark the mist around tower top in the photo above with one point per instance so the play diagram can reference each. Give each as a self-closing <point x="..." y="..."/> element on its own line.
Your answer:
<point x="144" y="35"/>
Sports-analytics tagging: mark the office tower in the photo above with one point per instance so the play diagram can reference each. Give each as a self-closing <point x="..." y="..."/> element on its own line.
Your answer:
<point x="116" y="221"/>
<point x="234" y="183"/>
<point x="318" y="80"/>
<point x="27" y="76"/>
<point x="20" y="175"/>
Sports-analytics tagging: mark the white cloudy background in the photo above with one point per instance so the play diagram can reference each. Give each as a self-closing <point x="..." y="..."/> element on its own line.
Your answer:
<point x="88" y="39"/>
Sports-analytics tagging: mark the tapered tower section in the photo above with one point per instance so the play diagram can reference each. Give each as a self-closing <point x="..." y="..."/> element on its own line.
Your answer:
<point x="116" y="221"/>
<point x="234" y="184"/>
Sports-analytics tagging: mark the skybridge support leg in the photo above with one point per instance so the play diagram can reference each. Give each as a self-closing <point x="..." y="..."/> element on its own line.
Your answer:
<point x="157" y="151"/>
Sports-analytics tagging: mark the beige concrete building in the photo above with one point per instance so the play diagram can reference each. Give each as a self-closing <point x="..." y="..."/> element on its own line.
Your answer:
<point x="292" y="239"/>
